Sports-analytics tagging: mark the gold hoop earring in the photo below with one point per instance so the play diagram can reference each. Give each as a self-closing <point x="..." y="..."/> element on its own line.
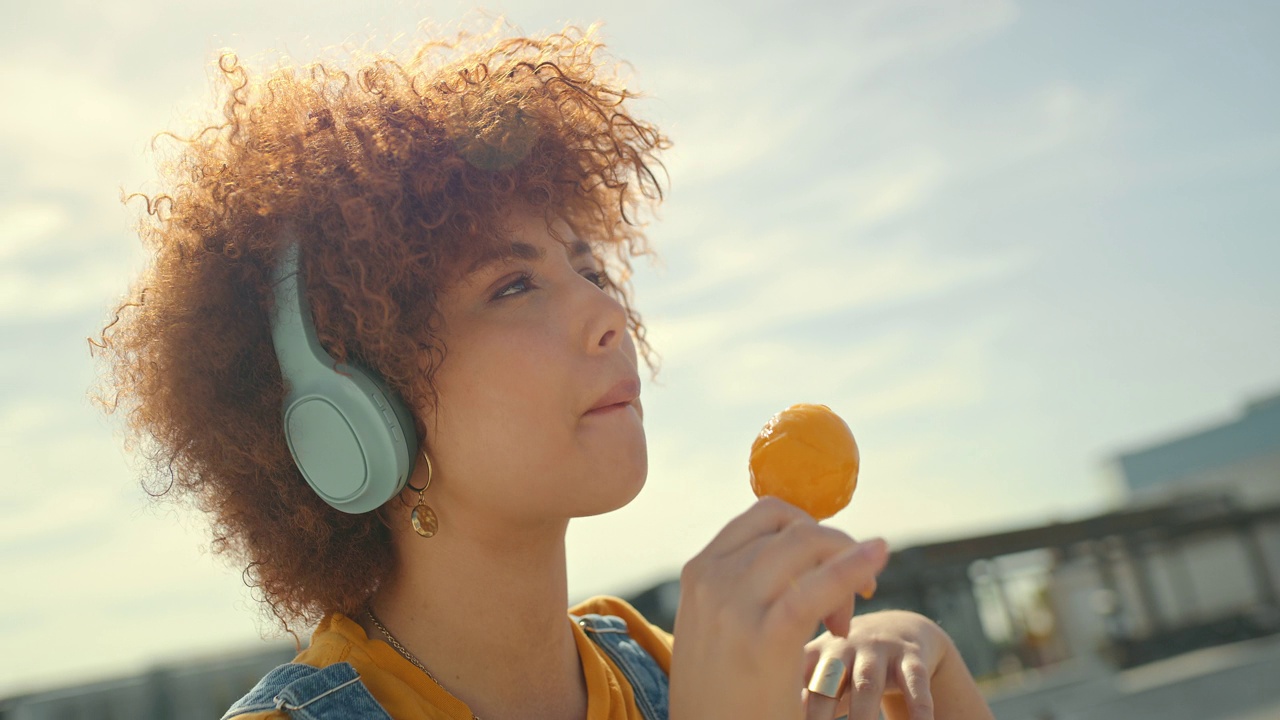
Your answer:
<point x="424" y="519"/>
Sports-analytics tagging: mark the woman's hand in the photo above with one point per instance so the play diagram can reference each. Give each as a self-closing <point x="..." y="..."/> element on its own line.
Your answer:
<point x="899" y="660"/>
<point x="749" y="602"/>
<point x="890" y="652"/>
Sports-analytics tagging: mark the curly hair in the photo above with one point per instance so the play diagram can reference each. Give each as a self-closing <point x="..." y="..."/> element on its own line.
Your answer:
<point x="395" y="175"/>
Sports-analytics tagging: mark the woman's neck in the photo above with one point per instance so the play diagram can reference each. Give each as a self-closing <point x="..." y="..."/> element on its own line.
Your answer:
<point x="484" y="609"/>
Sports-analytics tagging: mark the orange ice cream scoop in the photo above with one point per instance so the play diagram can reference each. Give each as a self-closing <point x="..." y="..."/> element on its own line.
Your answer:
<point x="806" y="455"/>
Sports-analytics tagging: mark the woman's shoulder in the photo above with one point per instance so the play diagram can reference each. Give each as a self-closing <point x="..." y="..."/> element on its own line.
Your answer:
<point x="655" y="640"/>
<point x="607" y="605"/>
<point x="329" y="672"/>
<point x="334" y="692"/>
<point x="616" y="607"/>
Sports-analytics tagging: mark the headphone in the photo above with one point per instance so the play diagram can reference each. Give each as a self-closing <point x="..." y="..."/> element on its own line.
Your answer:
<point x="352" y="438"/>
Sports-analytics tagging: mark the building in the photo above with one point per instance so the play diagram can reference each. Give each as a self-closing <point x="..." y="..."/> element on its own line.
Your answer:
<point x="198" y="688"/>
<point x="1240" y="457"/>
<point x="1211" y="579"/>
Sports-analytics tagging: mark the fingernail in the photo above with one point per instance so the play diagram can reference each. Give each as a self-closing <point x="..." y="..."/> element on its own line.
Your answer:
<point x="872" y="548"/>
<point x="869" y="591"/>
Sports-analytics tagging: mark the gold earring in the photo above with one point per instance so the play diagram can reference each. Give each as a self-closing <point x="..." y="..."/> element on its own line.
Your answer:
<point x="424" y="519"/>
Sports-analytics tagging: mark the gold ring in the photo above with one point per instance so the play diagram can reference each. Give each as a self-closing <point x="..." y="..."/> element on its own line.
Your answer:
<point x="827" y="677"/>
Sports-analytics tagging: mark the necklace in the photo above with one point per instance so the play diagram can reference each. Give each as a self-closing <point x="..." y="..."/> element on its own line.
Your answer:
<point x="404" y="652"/>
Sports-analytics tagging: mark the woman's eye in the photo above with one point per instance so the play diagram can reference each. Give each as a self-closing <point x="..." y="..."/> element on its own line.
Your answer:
<point x="515" y="287"/>
<point x="524" y="284"/>
<point x="600" y="279"/>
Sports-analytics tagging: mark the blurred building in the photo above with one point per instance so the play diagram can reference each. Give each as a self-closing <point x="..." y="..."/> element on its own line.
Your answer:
<point x="198" y="689"/>
<point x="1201" y="576"/>
<point x="1240" y="458"/>
<point x="1171" y="609"/>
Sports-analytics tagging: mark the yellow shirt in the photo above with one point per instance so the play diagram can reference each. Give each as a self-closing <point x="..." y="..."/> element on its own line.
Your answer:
<point x="408" y="694"/>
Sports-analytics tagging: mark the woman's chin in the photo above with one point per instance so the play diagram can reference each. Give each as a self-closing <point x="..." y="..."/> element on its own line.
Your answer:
<point x="619" y="491"/>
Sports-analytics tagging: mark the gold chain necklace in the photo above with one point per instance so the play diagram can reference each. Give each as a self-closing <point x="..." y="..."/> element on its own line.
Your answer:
<point x="404" y="652"/>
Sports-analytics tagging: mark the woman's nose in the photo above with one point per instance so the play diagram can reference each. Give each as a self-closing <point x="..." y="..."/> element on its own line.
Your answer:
<point x="607" y="322"/>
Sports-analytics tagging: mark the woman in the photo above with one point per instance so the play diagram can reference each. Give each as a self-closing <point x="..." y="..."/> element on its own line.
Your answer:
<point x="459" y="225"/>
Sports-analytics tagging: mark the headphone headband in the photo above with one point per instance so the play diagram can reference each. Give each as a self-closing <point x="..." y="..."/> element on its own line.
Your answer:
<point x="292" y="332"/>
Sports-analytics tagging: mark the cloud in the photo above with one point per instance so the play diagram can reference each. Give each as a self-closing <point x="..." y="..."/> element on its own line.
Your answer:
<point x="812" y="368"/>
<point x="911" y="369"/>
<point x="786" y="89"/>
<point x="874" y="277"/>
<point x="70" y="139"/>
<point x="81" y="539"/>
<point x="66" y="123"/>
<point x="55" y="261"/>
<point x="36" y="294"/>
<point x="24" y="227"/>
<point x="137" y="581"/>
<point x="63" y="465"/>
<point x="901" y="186"/>
<point x="773" y="289"/>
<point x="939" y="376"/>
<point x="1058" y="118"/>
<point x="29" y="417"/>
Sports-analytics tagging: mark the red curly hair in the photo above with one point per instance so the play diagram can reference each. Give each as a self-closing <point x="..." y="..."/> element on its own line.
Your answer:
<point x="396" y="176"/>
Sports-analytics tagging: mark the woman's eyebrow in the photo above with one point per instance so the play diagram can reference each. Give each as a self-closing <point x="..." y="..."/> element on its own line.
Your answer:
<point x="524" y="251"/>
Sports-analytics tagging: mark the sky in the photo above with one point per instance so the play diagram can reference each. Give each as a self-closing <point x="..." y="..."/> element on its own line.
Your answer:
<point x="1006" y="241"/>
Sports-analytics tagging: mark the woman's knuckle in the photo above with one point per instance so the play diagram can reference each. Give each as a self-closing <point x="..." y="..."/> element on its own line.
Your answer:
<point x="691" y="572"/>
<point x="784" y="617"/>
<point x="921" y="711"/>
<point x="889" y="646"/>
<point x="769" y="505"/>
<point x="801" y="533"/>
<point x="918" y="618"/>
<point x="850" y="572"/>
<point x="781" y="509"/>
<point x="863" y="682"/>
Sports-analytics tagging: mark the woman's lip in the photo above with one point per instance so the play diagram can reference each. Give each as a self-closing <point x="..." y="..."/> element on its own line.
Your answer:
<point x="609" y="408"/>
<point x="623" y="393"/>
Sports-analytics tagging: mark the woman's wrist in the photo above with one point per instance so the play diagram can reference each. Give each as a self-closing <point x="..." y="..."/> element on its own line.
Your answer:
<point x="955" y="694"/>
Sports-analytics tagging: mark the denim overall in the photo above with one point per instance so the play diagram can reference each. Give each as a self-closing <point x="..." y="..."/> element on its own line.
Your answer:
<point x="336" y="693"/>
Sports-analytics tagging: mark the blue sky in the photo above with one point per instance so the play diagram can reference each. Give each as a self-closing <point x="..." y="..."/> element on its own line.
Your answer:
<point x="1004" y="240"/>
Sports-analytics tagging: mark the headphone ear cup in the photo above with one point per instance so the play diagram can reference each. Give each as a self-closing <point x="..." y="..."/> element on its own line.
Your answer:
<point x="353" y="440"/>
<point x="349" y="439"/>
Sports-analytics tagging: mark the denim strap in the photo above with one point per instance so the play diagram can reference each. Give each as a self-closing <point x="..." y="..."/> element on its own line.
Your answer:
<point x="648" y="681"/>
<point x="309" y="693"/>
